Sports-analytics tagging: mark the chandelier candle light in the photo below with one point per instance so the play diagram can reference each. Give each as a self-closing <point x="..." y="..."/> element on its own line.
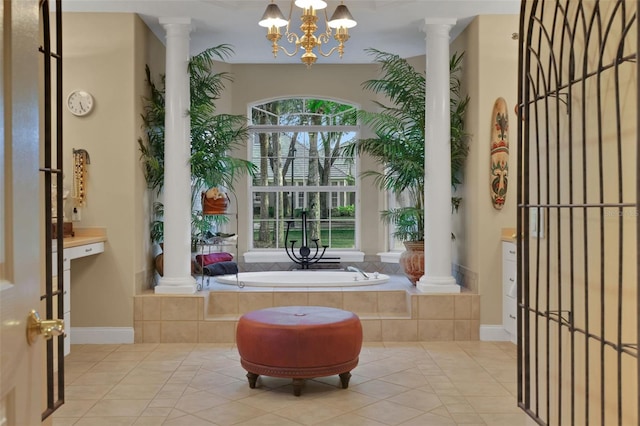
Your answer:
<point x="341" y="21"/>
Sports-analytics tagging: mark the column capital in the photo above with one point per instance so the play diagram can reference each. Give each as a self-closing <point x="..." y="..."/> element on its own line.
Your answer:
<point x="438" y="25"/>
<point x="165" y="20"/>
<point x="180" y="27"/>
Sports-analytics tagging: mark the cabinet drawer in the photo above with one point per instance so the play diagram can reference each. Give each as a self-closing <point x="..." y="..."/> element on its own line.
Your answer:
<point x="66" y="299"/>
<point x="67" y="331"/>
<point x="509" y="315"/>
<point x="508" y="251"/>
<point x="85" y="250"/>
<point x="66" y="263"/>
<point x="508" y="278"/>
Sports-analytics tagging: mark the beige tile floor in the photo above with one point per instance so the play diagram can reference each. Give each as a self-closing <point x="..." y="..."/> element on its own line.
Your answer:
<point x="409" y="384"/>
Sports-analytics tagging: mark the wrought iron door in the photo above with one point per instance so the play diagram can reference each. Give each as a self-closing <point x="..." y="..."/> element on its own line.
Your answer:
<point x="578" y="212"/>
<point x="52" y="108"/>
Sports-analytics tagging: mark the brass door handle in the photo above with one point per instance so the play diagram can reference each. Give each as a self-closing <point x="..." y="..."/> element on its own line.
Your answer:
<point x="47" y="328"/>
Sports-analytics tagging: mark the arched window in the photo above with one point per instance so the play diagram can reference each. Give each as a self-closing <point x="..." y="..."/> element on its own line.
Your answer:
<point x="296" y="143"/>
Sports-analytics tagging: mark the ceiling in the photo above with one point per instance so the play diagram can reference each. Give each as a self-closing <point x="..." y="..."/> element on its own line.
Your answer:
<point x="389" y="25"/>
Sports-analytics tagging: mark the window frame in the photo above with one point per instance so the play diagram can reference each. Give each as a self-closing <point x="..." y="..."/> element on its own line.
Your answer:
<point x="255" y="129"/>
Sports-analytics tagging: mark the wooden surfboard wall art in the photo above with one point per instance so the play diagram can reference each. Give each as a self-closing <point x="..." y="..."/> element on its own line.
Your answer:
<point x="499" y="153"/>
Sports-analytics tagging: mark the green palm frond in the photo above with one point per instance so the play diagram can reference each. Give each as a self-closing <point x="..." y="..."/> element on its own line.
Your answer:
<point x="399" y="129"/>
<point x="409" y="222"/>
<point x="212" y="135"/>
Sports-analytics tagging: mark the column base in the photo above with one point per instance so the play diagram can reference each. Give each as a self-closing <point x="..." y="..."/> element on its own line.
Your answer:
<point x="437" y="285"/>
<point x="186" y="285"/>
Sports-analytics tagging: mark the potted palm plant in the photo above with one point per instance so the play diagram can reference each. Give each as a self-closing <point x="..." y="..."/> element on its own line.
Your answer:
<point x="212" y="136"/>
<point x="398" y="145"/>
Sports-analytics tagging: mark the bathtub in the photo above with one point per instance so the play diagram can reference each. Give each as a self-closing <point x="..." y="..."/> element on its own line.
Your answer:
<point x="311" y="278"/>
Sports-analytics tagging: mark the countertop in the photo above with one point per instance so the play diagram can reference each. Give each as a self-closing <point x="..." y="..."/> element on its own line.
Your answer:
<point x="508" y="235"/>
<point x="85" y="236"/>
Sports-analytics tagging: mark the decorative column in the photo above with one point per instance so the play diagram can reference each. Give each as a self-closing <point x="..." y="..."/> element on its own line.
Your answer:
<point x="437" y="164"/>
<point x="177" y="277"/>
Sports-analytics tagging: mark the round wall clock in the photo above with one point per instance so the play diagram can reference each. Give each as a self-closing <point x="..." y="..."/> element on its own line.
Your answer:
<point x="80" y="102"/>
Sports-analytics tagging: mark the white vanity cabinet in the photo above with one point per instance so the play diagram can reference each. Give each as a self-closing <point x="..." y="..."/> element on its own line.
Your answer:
<point x="509" y="289"/>
<point x="69" y="254"/>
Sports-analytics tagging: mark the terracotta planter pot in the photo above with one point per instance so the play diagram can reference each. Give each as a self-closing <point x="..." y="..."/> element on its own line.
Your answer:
<point x="159" y="263"/>
<point x="412" y="260"/>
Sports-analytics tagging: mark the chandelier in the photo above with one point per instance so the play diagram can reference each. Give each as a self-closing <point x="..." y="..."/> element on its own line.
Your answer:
<point x="340" y="21"/>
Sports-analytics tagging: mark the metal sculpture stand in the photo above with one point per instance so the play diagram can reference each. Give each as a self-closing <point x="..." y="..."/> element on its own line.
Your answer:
<point x="303" y="258"/>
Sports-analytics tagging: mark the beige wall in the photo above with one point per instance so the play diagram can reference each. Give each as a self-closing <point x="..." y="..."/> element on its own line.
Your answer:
<point x="108" y="61"/>
<point x="490" y="70"/>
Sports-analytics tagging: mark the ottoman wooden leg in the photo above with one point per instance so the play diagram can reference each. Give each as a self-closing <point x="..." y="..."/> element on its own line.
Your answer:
<point x="253" y="377"/>
<point x="297" y="386"/>
<point x="344" y="379"/>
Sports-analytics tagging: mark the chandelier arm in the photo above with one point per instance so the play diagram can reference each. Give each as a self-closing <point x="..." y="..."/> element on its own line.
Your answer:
<point x="293" y="39"/>
<point x="324" y="37"/>
<point x="286" y="52"/>
<point x="329" y="53"/>
<point x="341" y="36"/>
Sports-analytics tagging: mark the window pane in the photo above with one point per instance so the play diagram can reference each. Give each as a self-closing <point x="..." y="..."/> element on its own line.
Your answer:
<point x="396" y="201"/>
<point x="307" y="158"/>
<point x="339" y="233"/>
<point x="294" y="112"/>
<point x="264" y="234"/>
<point x="335" y="225"/>
<point x="343" y="205"/>
<point x="346" y="117"/>
<point x="269" y="205"/>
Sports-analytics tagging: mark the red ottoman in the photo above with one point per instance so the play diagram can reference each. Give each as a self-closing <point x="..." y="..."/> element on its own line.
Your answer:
<point x="301" y="342"/>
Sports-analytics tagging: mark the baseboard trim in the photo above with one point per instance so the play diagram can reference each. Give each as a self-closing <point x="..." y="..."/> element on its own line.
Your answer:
<point x="494" y="333"/>
<point x="101" y="335"/>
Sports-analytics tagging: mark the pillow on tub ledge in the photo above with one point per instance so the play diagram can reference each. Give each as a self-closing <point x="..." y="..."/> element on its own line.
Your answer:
<point x="208" y="259"/>
<point x="220" y="268"/>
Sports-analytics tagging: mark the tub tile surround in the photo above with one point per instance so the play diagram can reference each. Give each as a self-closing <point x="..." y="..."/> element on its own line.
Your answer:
<point x="390" y="312"/>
